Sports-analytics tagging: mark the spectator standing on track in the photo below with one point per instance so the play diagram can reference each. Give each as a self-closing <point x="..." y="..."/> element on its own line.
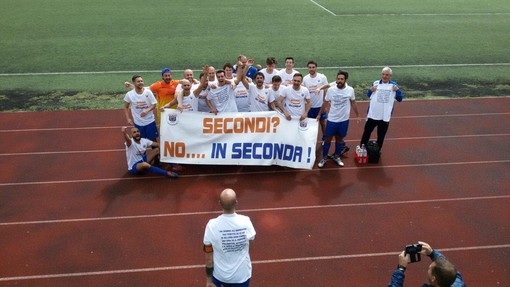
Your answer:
<point x="382" y="94"/>
<point x="136" y="154"/>
<point x="313" y="81"/>
<point x="227" y="242"/>
<point x="441" y="273"/>
<point x="297" y="99"/>
<point x="141" y="101"/>
<point x="339" y="98"/>
<point x="269" y="71"/>
<point x="288" y="73"/>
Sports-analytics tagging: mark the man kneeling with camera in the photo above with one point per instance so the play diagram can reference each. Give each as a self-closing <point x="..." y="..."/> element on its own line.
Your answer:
<point x="441" y="272"/>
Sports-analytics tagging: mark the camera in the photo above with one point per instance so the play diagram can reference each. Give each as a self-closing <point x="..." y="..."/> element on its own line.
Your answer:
<point x="414" y="252"/>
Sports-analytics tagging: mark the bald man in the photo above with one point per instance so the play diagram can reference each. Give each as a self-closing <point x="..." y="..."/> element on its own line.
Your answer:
<point x="227" y="241"/>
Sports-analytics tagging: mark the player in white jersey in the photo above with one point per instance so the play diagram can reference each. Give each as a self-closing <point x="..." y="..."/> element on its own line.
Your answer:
<point x="221" y="97"/>
<point x="269" y="71"/>
<point x="186" y="99"/>
<point x="288" y="73"/>
<point x="275" y="90"/>
<point x="188" y="75"/>
<point x="313" y="81"/>
<point x="295" y="99"/>
<point x="259" y="97"/>
<point x="141" y="102"/>
<point x="339" y="99"/>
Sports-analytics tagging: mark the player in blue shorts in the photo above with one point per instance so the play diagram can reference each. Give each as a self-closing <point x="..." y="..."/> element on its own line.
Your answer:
<point x="136" y="154"/>
<point x="339" y="98"/>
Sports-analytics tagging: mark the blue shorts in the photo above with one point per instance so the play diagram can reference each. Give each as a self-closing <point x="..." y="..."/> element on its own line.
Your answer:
<point x="149" y="131"/>
<point x="133" y="168"/>
<point x="218" y="283"/>
<point x="339" y="129"/>
<point x="314" y="112"/>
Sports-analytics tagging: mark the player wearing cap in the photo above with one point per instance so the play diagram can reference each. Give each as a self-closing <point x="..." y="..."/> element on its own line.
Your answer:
<point x="164" y="90"/>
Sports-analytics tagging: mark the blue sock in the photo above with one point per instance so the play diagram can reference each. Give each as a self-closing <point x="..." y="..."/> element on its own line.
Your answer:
<point x="339" y="147"/>
<point x="157" y="170"/>
<point x="325" y="149"/>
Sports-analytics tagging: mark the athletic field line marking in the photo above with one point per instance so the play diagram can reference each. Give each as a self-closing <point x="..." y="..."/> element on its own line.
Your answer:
<point x="268" y="261"/>
<point x="302" y="68"/>
<point x="323" y="8"/>
<point x="424" y="14"/>
<point x="257" y="172"/>
<point x="270" y="209"/>
<point x="351" y="140"/>
<point x="393" y="117"/>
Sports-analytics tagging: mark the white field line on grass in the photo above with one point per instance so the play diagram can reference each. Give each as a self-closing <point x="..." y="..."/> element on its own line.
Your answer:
<point x="302" y="68"/>
<point x="348" y="140"/>
<point x="273" y="209"/>
<point x="268" y="261"/>
<point x="117" y="179"/>
<point x="118" y="127"/>
<point x="410" y="14"/>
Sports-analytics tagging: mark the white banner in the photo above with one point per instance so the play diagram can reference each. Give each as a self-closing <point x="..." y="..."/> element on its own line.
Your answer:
<point x="260" y="138"/>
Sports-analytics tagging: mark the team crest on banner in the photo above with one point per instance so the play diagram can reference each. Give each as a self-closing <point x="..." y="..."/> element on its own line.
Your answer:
<point x="303" y="125"/>
<point x="172" y="119"/>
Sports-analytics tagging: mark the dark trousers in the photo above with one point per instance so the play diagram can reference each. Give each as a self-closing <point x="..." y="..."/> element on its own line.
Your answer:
<point x="382" y="128"/>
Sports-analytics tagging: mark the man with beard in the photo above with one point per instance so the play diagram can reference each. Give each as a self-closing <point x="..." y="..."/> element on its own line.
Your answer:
<point x="313" y="81"/>
<point x="141" y="102"/>
<point x="339" y="98"/>
<point x="259" y="97"/>
<point x="297" y="99"/>
<point x="136" y="154"/>
<point x="221" y="97"/>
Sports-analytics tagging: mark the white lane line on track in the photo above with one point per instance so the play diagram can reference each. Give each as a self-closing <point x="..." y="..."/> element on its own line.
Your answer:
<point x="269" y="261"/>
<point x="299" y="68"/>
<point x="352" y="140"/>
<point x="258" y="172"/>
<point x="118" y="127"/>
<point x="272" y="209"/>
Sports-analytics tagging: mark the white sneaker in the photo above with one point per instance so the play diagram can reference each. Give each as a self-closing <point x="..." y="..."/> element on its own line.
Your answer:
<point x="322" y="162"/>
<point x="338" y="161"/>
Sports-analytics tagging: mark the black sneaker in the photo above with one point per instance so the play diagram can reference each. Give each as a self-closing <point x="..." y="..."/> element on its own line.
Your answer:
<point x="345" y="149"/>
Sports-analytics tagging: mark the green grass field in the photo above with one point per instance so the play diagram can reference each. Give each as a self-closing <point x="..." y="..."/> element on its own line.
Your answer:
<point x="437" y="48"/>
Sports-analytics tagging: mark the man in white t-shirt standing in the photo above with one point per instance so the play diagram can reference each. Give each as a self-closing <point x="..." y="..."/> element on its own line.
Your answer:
<point x="260" y="100"/>
<point x="227" y="241"/>
<point x="141" y="102"/>
<point x="382" y="94"/>
<point x="221" y="97"/>
<point x="297" y="99"/>
<point x="339" y="98"/>
<point x="270" y="70"/>
<point x="313" y="81"/>
<point x="288" y="73"/>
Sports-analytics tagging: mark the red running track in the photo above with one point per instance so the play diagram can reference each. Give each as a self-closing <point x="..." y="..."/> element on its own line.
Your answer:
<point x="70" y="214"/>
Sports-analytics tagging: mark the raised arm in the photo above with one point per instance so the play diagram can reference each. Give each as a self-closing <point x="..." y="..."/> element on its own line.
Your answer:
<point x="127" y="137"/>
